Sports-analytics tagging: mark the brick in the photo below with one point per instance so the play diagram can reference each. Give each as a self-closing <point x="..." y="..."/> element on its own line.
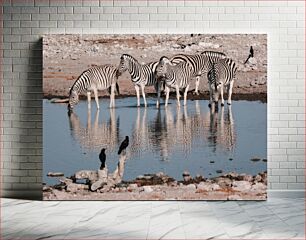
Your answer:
<point x="287" y="179"/>
<point x="65" y="10"/>
<point x="147" y="9"/>
<point x="91" y="3"/>
<point x="27" y="24"/>
<point x="138" y="3"/>
<point x="127" y="10"/>
<point x="48" y="10"/>
<point x="82" y="24"/>
<point x="81" y="10"/>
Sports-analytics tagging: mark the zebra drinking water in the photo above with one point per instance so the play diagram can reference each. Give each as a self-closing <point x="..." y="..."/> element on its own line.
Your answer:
<point x="94" y="79"/>
<point x="175" y="76"/>
<point x="200" y="63"/>
<point x="221" y="75"/>
<point x="142" y="75"/>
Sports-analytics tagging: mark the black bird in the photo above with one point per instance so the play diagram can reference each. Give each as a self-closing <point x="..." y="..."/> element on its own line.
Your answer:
<point x="124" y="145"/>
<point x="250" y="55"/>
<point x="102" y="158"/>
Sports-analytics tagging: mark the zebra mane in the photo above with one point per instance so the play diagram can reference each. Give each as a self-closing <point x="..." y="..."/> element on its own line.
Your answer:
<point x="213" y="52"/>
<point x="130" y="57"/>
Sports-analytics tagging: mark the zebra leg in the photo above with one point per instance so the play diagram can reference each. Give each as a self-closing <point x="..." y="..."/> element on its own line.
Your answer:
<point x="210" y="96"/>
<point x="197" y="83"/>
<point x="229" y="92"/>
<point x="96" y="98"/>
<point x="137" y="93"/>
<point x="112" y="97"/>
<point x="222" y="98"/>
<point x="89" y="99"/>
<point x="157" y="88"/>
<point x="143" y="95"/>
<point x="178" y="95"/>
<point x="185" y="95"/>
<point x="167" y="95"/>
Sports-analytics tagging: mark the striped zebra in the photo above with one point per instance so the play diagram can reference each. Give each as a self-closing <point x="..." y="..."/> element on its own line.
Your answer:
<point x="175" y="76"/>
<point x="142" y="75"/>
<point x="200" y="63"/>
<point x="94" y="79"/>
<point x="222" y="74"/>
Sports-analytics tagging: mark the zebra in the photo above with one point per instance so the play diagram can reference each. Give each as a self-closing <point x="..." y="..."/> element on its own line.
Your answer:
<point x="222" y="74"/>
<point x="142" y="75"/>
<point x="94" y="79"/>
<point x="200" y="63"/>
<point x="175" y="76"/>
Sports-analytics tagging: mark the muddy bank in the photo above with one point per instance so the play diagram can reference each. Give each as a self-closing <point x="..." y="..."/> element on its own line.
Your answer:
<point x="262" y="97"/>
<point x="159" y="186"/>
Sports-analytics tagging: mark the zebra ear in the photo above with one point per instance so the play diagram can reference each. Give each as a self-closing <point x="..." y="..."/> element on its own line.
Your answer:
<point x="165" y="60"/>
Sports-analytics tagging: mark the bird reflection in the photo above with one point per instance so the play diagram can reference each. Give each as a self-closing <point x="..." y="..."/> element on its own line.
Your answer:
<point x="95" y="135"/>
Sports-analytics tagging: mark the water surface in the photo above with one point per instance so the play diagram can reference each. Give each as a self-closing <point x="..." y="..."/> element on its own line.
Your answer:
<point x="172" y="140"/>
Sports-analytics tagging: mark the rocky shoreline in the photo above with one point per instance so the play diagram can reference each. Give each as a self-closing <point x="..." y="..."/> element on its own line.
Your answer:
<point x="159" y="186"/>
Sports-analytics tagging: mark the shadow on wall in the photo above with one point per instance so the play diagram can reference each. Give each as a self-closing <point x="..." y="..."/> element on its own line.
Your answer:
<point x="30" y="110"/>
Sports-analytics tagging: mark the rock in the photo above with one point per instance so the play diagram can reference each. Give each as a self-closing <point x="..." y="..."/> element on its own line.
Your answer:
<point x="55" y="174"/>
<point x="47" y="189"/>
<point x="259" y="187"/>
<point x="66" y="180"/>
<point x="132" y="186"/>
<point x="241" y="186"/>
<point x="248" y="178"/>
<point x="204" y="186"/>
<point x="208" y="45"/>
<point x="186" y="176"/>
<point x="191" y="186"/>
<point x="224" y="182"/>
<point x="95" y="49"/>
<point x="160" y="174"/>
<point x="147" y="189"/>
<point x="215" y="187"/>
<point x="258" y="178"/>
<point x="86" y="174"/>
<point x="96" y="185"/>
<point x="219" y="171"/>
<point x="234" y="197"/>
<point x="74" y="187"/>
<point x="255" y="159"/>
<point x="211" y="161"/>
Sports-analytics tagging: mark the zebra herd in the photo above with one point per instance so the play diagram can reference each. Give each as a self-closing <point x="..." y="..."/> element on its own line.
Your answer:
<point x="176" y="72"/>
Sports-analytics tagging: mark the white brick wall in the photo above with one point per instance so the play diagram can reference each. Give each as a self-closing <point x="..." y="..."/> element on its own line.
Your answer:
<point x="25" y="21"/>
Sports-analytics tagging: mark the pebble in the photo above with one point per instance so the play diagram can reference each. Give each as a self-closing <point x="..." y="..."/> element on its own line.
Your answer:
<point x="191" y="186"/>
<point x="147" y="189"/>
<point x="255" y="159"/>
<point x="241" y="185"/>
<point x="55" y="174"/>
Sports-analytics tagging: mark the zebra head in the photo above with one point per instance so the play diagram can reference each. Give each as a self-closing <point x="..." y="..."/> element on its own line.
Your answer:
<point x="124" y="63"/>
<point x="162" y="67"/>
<point x="73" y="99"/>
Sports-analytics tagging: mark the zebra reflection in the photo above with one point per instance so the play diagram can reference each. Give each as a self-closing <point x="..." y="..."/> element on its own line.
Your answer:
<point x="95" y="135"/>
<point x="221" y="131"/>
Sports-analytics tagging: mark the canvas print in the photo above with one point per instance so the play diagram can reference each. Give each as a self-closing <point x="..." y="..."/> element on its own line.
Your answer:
<point x="155" y="117"/>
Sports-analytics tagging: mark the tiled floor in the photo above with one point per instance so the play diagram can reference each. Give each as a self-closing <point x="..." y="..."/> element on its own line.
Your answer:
<point x="273" y="219"/>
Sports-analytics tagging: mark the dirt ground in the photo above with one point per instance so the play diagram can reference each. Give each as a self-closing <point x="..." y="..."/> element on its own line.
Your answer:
<point x="65" y="57"/>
